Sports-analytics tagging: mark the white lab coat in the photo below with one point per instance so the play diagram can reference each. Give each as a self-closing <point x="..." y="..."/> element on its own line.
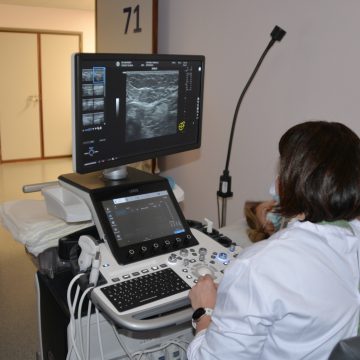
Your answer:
<point x="293" y="296"/>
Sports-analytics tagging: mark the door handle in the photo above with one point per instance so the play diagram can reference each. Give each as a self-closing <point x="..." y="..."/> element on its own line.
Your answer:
<point x="33" y="98"/>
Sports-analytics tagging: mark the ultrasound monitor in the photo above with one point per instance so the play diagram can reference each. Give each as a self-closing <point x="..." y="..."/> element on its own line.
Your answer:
<point x="133" y="107"/>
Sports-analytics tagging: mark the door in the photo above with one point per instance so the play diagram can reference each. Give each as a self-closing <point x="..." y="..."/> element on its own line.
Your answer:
<point x="20" y="131"/>
<point x="56" y="51"/>
<point x="35" y="96"/>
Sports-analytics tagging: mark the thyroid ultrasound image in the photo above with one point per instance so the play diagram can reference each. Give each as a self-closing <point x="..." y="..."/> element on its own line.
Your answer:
<point x="151" y="104"/>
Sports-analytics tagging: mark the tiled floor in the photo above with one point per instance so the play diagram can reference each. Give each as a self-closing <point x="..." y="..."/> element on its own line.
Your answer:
<point x="18" y="325"/>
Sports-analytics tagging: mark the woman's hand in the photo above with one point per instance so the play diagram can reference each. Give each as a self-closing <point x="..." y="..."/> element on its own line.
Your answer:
<point x="203" y="294"/>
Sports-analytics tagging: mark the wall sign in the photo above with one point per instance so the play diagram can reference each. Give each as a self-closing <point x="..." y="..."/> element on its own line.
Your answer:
<point x="126" y="26"/>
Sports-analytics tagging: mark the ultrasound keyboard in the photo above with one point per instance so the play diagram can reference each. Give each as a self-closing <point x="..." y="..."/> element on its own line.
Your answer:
<point x="144" y="289"/>
<point x="153" y="293"/>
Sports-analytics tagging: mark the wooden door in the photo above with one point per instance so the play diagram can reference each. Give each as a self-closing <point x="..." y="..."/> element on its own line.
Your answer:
<point x="20" y="130"/>
<point x="56" y="51"/>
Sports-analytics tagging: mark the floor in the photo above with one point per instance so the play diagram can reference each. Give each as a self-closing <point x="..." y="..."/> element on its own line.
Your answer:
<point x="18" y="325"/>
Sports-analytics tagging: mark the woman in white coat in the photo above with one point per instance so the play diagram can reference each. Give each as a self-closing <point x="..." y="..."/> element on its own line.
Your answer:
<point x="294" y="295"/>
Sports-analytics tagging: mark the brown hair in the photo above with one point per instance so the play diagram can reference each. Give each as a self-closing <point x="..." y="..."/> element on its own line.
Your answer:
<point x="319" y="173"/>
<point x="255" y="230"/>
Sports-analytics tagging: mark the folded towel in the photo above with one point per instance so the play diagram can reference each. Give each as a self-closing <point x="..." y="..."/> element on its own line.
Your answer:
<point x="30" y="224"/>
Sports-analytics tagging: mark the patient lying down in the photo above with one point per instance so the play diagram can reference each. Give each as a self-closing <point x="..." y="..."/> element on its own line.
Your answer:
<point x="262" y="219"/>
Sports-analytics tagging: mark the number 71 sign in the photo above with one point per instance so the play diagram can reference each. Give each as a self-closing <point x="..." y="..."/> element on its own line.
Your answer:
<point x="126" y="26"/>
<point x="129" y="11"/>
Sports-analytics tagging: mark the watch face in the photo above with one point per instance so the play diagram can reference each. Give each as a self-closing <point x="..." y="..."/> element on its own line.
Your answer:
<point x="198" y="313"/>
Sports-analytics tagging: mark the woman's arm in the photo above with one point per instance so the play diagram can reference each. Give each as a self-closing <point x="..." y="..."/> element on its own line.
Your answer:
<point x="203" y="295"/>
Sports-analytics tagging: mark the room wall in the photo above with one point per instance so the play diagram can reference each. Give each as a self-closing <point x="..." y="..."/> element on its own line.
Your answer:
<point x="30" y="17"/>
<point x="311" y="74"/>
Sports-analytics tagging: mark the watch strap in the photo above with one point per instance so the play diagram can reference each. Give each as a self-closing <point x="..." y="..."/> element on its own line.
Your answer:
<point x="207" y="312"/>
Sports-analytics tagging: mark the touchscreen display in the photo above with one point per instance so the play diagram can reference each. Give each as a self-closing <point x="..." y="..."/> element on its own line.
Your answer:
<point x="142" y="217"/>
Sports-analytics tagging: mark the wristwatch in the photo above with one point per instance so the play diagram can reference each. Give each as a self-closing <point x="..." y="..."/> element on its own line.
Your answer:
<point x="199" y="313"/>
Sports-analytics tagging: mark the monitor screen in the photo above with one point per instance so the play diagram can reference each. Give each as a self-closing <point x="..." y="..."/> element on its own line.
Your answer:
<point x="141" y="220"/>
<point x="133" y="107"/>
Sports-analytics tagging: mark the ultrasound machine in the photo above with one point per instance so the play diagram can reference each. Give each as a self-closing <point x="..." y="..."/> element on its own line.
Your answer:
<point x="142" y="256"/>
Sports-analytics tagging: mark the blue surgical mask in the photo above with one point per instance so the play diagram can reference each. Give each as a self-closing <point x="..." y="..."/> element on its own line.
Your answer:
<point x="275" y="219"/>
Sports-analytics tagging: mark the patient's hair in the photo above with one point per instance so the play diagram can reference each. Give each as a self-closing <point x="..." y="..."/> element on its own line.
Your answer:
<point x="319" y="174"/>
<point x="255" y="230"/>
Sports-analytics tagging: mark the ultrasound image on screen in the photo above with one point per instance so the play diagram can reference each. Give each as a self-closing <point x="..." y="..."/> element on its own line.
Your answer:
<point x="151" y="104"/>
<point x="144" y="217"/>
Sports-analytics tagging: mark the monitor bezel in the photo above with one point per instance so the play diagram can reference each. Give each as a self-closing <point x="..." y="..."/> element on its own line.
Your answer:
<point x="77" y="60"/>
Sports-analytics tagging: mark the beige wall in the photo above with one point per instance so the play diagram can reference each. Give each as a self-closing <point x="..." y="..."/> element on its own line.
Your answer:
<point x="29" y="17"/>
<point x="313" y="73"/>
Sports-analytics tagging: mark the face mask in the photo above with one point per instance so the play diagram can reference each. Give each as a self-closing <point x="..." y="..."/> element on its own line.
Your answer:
<point x="275" y="219"/>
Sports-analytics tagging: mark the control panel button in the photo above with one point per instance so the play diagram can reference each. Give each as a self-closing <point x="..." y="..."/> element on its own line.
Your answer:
<point x="177" y="242"/>
<point x="222" y="256"/>
<point x="202" y="251"/>
<point x="184" y="252"/>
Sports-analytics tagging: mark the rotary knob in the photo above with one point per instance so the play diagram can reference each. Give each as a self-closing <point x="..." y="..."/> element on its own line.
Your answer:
<point x="202" y="251"/>
<point x="172" y="259"/>
<point x="184" y="252"/>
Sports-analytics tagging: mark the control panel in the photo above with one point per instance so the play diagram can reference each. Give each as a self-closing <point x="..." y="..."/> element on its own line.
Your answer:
<point x="183" y="268"/>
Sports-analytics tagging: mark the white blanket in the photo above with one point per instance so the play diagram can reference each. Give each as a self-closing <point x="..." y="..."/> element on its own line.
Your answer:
<point x="30" y="224"/>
